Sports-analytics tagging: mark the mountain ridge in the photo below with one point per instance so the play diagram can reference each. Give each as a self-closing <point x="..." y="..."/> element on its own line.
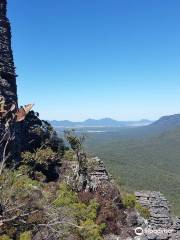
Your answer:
<point x="104" y="122"/>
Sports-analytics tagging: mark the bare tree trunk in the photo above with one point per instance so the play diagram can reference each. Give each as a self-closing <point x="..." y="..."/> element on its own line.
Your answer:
<point x="4" y="157"/>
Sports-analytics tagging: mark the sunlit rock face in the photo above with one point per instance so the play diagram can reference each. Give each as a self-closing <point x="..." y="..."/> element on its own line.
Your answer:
<point x="8" y="87"/>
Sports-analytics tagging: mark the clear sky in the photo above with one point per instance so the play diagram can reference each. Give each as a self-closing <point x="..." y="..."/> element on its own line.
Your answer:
<point x="79" y="59"/>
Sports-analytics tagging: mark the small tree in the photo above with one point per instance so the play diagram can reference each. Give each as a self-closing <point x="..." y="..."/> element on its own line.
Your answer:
<point x="76" y="144"/>
<point x="7" y="138"/>
<point x="8" y="118"/>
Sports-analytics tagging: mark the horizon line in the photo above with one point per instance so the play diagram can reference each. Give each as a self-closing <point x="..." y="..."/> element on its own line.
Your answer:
<point x="97" y="119"/>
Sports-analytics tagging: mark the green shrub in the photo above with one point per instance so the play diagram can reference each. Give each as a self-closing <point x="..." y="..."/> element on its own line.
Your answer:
<point x="66" y="196"/>
<point x="85" y="215"/>
<point x="25" y="170"/>
<point x="5" y="237"/>
<point x="18" y="195"/>
<point x="69" y="155"/>
<point x="26" y="236"/>
<point x="89" y="230"/>
<point x="92" y="209"/>
<point x="20" y="185"/>
<point x="24" y="182"/>
<point x="144" y="212"/>
<point x="129" y="200"/>
<point x="85" y="212"/>
<point x="41" y="156"/>
<point x="44" y="160"/>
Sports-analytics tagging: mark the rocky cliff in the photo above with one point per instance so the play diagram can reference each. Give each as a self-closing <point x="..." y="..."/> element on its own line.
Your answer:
<point x="48" y="195"/>
<point x="8" y="88"/>
<point x="160" y="225"/>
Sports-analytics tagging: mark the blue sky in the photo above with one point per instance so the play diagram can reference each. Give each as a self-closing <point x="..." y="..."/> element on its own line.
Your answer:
<point x="79" y="59"/>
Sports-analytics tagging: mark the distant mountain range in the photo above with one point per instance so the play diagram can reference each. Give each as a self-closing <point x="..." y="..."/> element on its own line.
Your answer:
<point x="105" y="122"/>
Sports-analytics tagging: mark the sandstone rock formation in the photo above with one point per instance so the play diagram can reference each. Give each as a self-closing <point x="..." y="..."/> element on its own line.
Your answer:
<point x="158" y="206"/>
<point x="98" y="175"/>
<point x="8" y="91"/>
<point x="8" y="87"/>
<point x="160" y="225"/>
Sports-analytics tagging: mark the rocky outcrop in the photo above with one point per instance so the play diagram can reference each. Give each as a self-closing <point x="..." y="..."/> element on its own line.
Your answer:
<point x="158" y="207"/>
<point x="98" y="174"/>
<point x="8" y="87"/>
<point x="160" y="225"/>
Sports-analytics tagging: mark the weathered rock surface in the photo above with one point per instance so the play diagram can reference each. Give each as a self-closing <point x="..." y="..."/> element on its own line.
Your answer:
<point x="98" y="175"/>
<point x="158" y="207"/>
<point x="8" y="87"/>
<point x="160" y="225"/>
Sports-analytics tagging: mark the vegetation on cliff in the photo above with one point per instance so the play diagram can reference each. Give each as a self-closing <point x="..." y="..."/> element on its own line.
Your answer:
<point x="38" y="198"/>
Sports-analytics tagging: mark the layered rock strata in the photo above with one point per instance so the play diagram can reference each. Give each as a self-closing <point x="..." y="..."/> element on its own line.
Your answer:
<point x="8" y="89"/>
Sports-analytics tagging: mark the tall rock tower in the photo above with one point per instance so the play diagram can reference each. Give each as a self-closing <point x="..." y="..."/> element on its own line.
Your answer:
<point x="8" y="89"/>
<point x="8" y="92"/>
